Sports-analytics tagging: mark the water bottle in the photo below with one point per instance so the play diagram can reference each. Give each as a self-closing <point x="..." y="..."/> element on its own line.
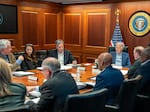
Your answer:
<point x="78" y="75"/>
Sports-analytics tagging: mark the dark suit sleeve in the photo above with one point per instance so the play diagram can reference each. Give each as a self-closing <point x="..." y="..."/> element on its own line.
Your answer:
<point x="45" y="102"/>
<point x="128" y="61"/>
<point x="99" y="83"/>
<point x="71" y="58"/>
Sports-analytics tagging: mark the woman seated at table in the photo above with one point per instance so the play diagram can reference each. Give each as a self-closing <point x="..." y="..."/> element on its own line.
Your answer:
<point x="30" y="61"/>
<point x="12" y="95"/>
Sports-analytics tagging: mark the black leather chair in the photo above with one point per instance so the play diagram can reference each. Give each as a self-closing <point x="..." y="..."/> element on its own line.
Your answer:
<point x="88" y="102"/>
<point x="18" y="53"/>
<point x="111" y="49"/>
<point x="41" y="55"/>
<point x="23" y="108"/>
<point x="125" y="100"/>
<point x="142" y="103"/>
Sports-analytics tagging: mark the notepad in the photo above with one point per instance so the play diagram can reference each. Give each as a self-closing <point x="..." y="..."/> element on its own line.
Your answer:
<point x="81" y="85"/>
<point x="22" y="73"/>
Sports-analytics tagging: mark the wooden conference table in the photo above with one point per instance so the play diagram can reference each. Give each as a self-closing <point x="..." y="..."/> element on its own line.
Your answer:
<point x="85" y="76"/>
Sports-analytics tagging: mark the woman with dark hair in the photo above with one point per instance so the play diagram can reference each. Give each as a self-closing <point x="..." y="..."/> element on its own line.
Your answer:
<point x="12" y="95"/>
<point x="30" y="61"/>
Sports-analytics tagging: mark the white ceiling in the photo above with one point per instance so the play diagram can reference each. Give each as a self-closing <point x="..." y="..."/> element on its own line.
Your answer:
<point x="72" y="1"/>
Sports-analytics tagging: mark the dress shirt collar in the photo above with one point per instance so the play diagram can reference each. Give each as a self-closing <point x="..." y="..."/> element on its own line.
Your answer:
<point x="145" y="62"/>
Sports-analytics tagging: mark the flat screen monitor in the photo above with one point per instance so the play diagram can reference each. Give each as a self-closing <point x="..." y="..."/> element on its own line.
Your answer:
<point x="8" y="19"/>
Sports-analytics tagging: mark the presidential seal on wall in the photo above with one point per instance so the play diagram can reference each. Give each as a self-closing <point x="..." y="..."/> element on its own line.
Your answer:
<point x="139" y="23"/>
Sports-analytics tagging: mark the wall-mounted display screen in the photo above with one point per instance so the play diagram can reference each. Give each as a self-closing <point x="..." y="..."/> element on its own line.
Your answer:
<point x="8" y="19"/>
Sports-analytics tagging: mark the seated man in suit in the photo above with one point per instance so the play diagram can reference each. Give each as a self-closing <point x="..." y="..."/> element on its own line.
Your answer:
<point x="109" y="77"/>
<point x="137" y="55"/>
<point x="120" y="58"/>
<point x="55" y="89"/>
<point x="5" y="53"/>
<point x="144" y="71"/>
<point x="63" y="55"/>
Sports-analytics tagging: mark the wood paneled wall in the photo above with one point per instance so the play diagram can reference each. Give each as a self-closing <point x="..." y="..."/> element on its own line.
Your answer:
<point x="86" y="29"/>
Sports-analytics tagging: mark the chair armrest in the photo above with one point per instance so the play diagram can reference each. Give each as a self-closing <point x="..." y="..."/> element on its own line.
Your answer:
<point x="143" y="96"/>
<point x="111" y="108"/>
<point x="22" y="108"/>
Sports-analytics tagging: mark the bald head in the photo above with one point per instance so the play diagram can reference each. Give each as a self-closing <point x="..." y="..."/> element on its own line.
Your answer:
<point x="51" y="63"/>
<point x="104" y="60"/>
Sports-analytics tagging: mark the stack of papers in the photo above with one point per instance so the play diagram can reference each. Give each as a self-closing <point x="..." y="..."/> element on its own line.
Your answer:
<point x="81" y="85"/>
<point x="124" y="72"/>
<point x="64" y="67"/>
<point x="22" y="73"/>
<point x="35" y="93"/>
<point x="93" y="78"/>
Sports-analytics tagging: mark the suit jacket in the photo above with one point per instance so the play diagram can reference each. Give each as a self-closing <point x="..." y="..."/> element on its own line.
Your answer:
<point x="14" y="100"/>
<point x="144" y="71"/>
<point x="125" y="59"/>
<point x="111" y="79"/>
<point x="28" y="64"/>
<point x="54" y="92"/>
<point x="133" y="68"/>
<point x="68" y="58"/>
<point x="12" y="60"/>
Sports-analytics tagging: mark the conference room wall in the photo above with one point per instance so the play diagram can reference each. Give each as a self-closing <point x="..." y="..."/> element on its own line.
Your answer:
<point x="86" y="29"/>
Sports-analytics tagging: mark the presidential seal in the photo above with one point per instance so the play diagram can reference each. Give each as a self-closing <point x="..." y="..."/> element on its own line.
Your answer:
<point x="1" y="19"/>
<point x="139" y="23"/>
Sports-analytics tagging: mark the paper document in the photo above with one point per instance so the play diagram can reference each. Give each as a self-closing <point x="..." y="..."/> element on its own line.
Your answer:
<point x="124" y="72"/>
<point x="81" y="85"/>
<point x="93" y="78"/>
<point x="22" y="73"/>
<point x="64" y="67"/>
<point x="35" y="93"/>
<point x="39" y="68"/>
<point x="117" y="67"/>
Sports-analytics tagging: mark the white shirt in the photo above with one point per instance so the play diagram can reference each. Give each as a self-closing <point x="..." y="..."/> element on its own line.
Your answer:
<point x="118" y="61"/>
<point x="61" y="58"/>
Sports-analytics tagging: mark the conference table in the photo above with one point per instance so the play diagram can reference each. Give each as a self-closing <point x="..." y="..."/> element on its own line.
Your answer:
<point x="87" y="72"/>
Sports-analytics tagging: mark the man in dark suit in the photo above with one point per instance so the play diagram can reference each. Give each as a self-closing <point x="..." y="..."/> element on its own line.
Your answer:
<point x="120" y="58"/>
<point x="137" y="55"/>
<point x="144" y="71"/>
<point x="55" y="89"/>
<point x="63" y="55"/>
<point x="109" y="77"/>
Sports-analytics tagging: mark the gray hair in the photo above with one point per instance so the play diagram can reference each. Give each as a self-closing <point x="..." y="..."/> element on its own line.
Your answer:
<point x="51" y="63"/>
<point x="121" y="44"/>
<point x="4" y="43"/>
<point x="59" y="41"/>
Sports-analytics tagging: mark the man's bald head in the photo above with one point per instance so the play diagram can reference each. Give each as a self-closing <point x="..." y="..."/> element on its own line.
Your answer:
<point x="104" y="60"/>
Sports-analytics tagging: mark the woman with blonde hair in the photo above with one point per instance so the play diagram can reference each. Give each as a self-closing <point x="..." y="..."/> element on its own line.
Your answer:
<point x="12" y="95"/>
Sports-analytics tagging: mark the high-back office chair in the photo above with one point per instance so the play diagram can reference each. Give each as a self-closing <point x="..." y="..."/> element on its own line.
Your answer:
<point x="23" y="108"/>
<point x="142" y="103"/>
<point x="17" y="54"/>
<point x="125" y="100"/>
<point x="41" y="55"/>
<point x="88" y="102"/>
<point x="111" y="49"/>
